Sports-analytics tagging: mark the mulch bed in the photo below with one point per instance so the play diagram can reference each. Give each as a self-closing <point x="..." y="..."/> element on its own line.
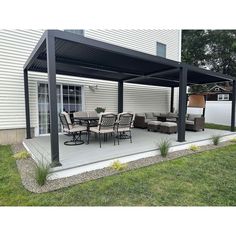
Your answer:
<point x="26" y="169"/>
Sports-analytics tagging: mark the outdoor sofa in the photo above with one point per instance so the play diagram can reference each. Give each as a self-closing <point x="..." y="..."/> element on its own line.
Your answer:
<point x="142" y="119"/>
<point x="194" y="122"/>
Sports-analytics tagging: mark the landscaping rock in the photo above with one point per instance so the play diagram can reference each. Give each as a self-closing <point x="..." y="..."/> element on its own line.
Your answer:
<point x="26" y="169"/>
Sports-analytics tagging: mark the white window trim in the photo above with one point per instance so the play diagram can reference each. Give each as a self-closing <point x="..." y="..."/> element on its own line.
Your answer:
<point x="223" y="97"/>
<point x="36" y="129"/>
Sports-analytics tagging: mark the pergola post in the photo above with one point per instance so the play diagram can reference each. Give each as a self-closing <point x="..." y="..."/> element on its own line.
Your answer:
<point x="182" y="103"/>
<point x="233" y="107"/>
<point x="172" y="99"/>
<point x="27" y="107"/>
<point x="52" y="88"/>
<point x="120" y="96"/>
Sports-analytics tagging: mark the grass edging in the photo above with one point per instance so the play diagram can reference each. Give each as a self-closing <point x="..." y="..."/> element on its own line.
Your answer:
<point x="30" y="184"/>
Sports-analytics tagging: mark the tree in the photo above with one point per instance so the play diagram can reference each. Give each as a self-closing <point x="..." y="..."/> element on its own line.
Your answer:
<point x="211" y="49"/>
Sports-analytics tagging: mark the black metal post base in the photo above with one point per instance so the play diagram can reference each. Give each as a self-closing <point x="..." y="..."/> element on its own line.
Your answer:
<point x="76" y="140"/>
<point x="55" y="164"/>
<point x="73" y="143"/>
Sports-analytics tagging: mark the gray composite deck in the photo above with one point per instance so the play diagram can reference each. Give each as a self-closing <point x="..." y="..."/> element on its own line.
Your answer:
<point x="143" y="141"/>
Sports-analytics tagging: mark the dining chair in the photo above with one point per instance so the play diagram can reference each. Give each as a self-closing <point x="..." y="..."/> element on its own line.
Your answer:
<point x="106" y="125"/>
<point x="123" y="126"/>
<point x="74" y="130"/>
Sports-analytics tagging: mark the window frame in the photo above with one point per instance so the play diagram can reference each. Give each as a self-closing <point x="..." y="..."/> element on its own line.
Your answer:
<point x="158" y="51"/>
<point x="223" y="97"/>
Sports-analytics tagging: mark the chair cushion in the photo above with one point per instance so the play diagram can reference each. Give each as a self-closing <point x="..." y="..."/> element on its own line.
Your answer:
<point x="168" y="124"/>
<point x="123" y="129"/>
<point x="171" y="119"/>
<point x="78" y="128"/>
<point x="140" y="114"/>
<point x="156" y="113"/>
<point x="154" y="122"/>
<point x="148" y="120"/>
<point x="149" y="115"/>
<point x="193" y="116"/>
<point x="103" y="131"/>
<point x="67" y="118"/>
<point x="189" y="122"/>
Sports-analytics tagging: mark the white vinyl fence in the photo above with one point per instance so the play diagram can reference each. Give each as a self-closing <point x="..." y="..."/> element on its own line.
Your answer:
<point x="218" y="112"/>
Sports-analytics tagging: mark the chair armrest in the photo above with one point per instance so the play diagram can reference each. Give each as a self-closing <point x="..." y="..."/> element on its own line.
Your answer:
<point x="199" y="122"/>
<point x="139" y="121"/>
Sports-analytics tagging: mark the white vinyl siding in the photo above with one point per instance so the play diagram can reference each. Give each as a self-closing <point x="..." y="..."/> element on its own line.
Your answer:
<point x="16" y="46"/>
<point x="141" y="40"/>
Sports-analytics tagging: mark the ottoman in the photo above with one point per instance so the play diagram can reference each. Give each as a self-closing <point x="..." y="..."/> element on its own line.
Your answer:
<point x="154" y="125"/>
<point x="168" y="127"/>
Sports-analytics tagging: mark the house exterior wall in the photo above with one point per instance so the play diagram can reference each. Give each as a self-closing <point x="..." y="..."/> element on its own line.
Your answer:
<point x="15" y="48"/>
<point x="214" y="96"/>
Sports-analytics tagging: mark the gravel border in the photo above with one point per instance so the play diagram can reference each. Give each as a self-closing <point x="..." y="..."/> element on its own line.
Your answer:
<point x="26" y="169"/>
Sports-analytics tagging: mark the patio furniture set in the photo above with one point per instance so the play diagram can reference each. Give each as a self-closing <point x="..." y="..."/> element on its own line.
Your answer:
<point x="167" y="122"/>
<point x="117" y="126"/>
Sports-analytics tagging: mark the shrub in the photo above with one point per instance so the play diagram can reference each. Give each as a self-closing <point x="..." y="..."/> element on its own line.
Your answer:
<point x="233" y="140"/>
<point x="164" y="147"/>
<point x="194" y="148"/>
<point x="42" y="171"/>
<point x="100" y="109"/>
<point x="21" y="155"/>
<point x="117" y="165"/>
<point x="215" y="139"/>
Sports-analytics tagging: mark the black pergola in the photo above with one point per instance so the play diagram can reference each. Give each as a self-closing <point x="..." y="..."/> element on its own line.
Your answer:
<point x="60" y="52"/>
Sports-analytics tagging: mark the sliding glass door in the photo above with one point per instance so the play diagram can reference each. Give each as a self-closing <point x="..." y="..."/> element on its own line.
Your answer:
<point x="69" y="99"/>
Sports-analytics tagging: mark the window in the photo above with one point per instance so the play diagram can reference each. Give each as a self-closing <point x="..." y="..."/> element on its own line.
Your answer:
<point x="72" y="100"/>
<point x="161" y="49"/>
<point x="76" y="31"/>
<point x="223" y="97"/>
<point x="69" y="99"/>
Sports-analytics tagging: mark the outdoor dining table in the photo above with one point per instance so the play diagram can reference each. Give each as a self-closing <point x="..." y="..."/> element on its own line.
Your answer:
<point x="88" y="121"/>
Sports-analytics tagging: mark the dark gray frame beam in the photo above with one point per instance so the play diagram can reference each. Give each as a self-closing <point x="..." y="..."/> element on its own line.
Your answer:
<point x="153" y="75"/>
<point x="27" y="106"/>
<point x="182" y="103"/>
<point x="172" y="99"/>
<point x="52" y="88"/>
<point x="63" y="64"/>
<point x="120" y="96"/>
<point x="233" y="107"/>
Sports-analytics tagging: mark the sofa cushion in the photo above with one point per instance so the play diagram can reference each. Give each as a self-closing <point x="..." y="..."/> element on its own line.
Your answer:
<point x="171" y="119"/>
<point x="154" y="122"/>
<point x="156" y="113"/>
<point x="147" y="120"/>
<point x="193" y="116"/>
<point x="189" y="122"/>
<point x="140" y="114"/>
<point x="168" y="124"/>
<point x="149" y="115"/>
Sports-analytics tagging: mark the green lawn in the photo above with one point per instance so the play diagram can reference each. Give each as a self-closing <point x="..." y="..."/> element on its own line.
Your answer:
<point x="216" y="126"/>
<point x="208" y="178"/>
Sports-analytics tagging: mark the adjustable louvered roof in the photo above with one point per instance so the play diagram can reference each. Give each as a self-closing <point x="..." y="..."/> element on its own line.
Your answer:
<point x="83" y="57"/>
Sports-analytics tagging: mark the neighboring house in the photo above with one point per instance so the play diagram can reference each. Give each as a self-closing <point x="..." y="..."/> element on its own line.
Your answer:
<point x="75" y="94"/>
<point x="219" y="93"/>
